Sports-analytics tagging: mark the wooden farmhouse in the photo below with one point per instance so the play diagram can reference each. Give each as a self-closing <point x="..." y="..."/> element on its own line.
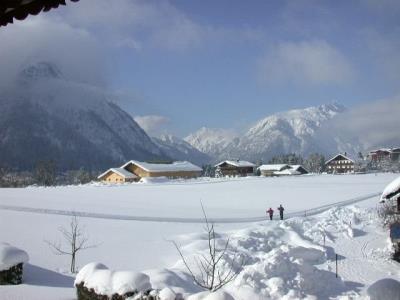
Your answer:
<point x="339" y="164"/>
<point x="177" y="169"/>
<point x="235" y="168"/>
<point x="118" y="175"/>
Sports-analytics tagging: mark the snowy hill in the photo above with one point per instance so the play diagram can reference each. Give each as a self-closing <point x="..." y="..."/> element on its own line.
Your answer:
<point x="212" y="141"/>
<point x="179" y="149"/>
<point x="47" y="116"/>
<point x="293" y="131"/>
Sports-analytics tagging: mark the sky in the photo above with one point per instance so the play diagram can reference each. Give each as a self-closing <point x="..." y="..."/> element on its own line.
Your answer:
<point x="176" y="66"/>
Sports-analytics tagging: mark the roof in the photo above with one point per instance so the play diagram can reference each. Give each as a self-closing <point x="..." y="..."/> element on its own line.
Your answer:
<point x="176" y="166"/>
<point x="337" y="156"/>
<point x="273" y="167"/>
<point x="297" y="167"/>
<point x="237" y="163"/>
<point x="391" y="190"/>
<point x="124" y="173"/>
<point x="20" y="9"/>
<point x="287" y="172"/>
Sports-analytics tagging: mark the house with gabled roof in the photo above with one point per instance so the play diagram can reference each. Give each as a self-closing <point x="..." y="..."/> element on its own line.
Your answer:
<point x="176" y="169"/>
<point x="117" y="175"/>
<point x="235" y="168"/>
<point x="338" y="164"/>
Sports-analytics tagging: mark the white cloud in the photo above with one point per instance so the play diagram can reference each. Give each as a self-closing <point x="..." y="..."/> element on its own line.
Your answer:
<point x="305" y="63"/>
<point x="134" y="22"/>
<point x="153" y="124"/>
<point x="37" y="38"/>
<point x="375" y="124"/>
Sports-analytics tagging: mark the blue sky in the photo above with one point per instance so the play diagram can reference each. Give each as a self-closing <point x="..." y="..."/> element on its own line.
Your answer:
<point x="181" y="65"/>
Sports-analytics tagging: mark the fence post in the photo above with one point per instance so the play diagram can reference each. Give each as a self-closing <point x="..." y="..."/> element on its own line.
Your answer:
<point x="336" y="256"/>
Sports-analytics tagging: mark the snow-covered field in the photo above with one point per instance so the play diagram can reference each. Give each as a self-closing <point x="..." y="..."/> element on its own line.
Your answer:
<point x="283" y="259"/>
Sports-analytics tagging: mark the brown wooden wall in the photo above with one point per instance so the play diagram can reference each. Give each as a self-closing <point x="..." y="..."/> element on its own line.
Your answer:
<point x="178" y="174"/>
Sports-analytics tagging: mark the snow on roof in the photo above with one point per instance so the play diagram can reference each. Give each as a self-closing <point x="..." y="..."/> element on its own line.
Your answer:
<point x="11" y="256"/>
<point x="297" y="167"/>
<point x="337" y="156"/>
<point x="237" y="163"/>
<point x="106" y="282"/>
<point x="287" y="172"/>
<point x="391" y="190"/>
<point x="120" y="171"/>
<point x="273" y="167"/>
<point x="176" y="166"/>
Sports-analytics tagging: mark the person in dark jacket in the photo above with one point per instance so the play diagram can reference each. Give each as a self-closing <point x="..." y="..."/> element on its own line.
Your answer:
<point x="270" y="212"/>
<point x="281" y="209"/>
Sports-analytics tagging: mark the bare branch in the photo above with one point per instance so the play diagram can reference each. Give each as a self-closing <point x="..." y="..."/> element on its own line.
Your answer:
<point x="212" y="275"/>
<point x="75" y="240"/>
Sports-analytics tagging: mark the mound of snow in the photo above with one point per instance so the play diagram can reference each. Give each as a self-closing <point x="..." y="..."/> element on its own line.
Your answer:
<point x="391" y="189"/>
<point x="11" y="256"/>
<point x="106" y="282"/>
<point x="161" y="179"/>
<point x="384" y="289"/>
<point x="218" y="295"/>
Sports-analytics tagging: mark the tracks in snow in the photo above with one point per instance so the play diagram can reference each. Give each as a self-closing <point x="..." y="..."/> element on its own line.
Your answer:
<point x="308" y="212"/>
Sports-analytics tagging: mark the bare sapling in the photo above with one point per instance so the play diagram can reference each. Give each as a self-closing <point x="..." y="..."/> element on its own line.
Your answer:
<point x="75" y="240"/>
<point x="208" y="271"/>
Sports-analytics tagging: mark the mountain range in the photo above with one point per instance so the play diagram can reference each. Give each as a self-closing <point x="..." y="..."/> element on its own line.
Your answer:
<point x="294" y="131"/>
<point x="46" y="116"/>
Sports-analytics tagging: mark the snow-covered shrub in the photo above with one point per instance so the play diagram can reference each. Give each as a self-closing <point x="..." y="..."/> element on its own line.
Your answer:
<point x="96" y="282"/>
<point x="11" y="264"/>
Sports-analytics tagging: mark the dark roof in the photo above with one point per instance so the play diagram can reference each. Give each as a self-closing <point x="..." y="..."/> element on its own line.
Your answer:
<point x="20" y="9"/>
<point x="339" y="156"/>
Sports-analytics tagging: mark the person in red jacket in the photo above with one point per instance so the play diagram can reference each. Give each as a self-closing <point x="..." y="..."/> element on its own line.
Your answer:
<point x="270" y="212"/>
<point x="281" y="209"/>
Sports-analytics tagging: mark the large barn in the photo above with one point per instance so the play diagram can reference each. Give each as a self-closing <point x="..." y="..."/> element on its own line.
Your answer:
<point x="235" y="168"/>
<point x="340" y="163"/>
<point x="177" y="169"/>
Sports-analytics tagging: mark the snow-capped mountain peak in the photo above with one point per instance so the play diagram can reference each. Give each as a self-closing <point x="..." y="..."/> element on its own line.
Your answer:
<point x="211" y="140"/>
<point x="292" y="131"/>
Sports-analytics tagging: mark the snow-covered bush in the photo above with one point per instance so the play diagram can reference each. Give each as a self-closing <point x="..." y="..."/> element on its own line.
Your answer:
<point x="96" y="282"/>
<point x="11" y="264"/>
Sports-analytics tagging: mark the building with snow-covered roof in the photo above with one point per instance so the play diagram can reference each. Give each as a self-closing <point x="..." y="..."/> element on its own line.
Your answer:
<point x="281" y="170"/>
<point x="176" y="169"/>
<point x="117" y="175"/>
<point x="299" y="168"/>
<point x="384" y="154"/>
<point x="271" y="169"/>
<point x="340" y="163"/>
<point x="235" y="168"/>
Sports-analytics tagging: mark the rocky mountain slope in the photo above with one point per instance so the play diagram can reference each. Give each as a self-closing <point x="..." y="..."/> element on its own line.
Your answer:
<point x="212" y="141"/>
<point x="295" y="131"/>
<point x="178" y="149"/>
<point x="47" y="116"/>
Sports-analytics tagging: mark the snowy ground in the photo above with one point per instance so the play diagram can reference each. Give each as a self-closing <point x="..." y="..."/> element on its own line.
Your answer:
<point x="283" y="258"/>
